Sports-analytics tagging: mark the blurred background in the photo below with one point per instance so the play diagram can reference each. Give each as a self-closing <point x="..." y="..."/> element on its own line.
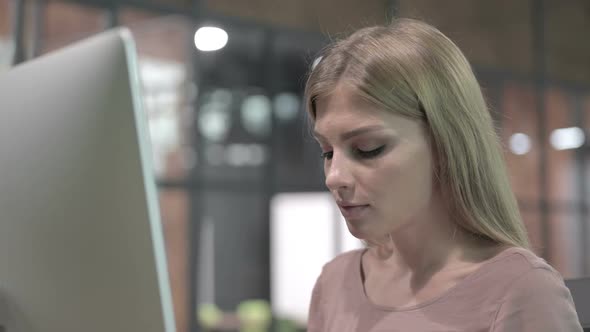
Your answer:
<point x="248" y="223"/>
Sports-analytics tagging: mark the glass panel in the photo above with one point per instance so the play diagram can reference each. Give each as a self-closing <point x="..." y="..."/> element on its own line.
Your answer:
<point x="564" y="250"/>
<point x="234" y="126"/>
<point x="585" y="105"/>
<point x="6" y="42"/>
<point x="174" y="207"/>
<point x="563" y="138"/>
<point x="296" y="153"/>
<point x="242" y="230"/>
<point x="532" y="222"/>
<point x="164" y="49"/>
<point x="296" y="14"/>
<point x="491" y="33"/>
<point x="234" y="117"/>
<point x="66" y="22"/>
<point x="132" y="17"/>
<point x="568" y="58"/>
<point x="585" y="226"/>
<point x="519" y="136"/>
<point x="5" y="17"/>
<point x="187" y="4"/>
<point x="491" y="94"/>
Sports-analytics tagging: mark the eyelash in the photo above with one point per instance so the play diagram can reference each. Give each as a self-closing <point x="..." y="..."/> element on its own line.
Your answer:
<point x="326" y="155"/>
<point x="357" y="152"/>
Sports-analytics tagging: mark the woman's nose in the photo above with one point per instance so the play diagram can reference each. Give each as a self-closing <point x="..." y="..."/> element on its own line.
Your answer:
<point x="338" y="174"/>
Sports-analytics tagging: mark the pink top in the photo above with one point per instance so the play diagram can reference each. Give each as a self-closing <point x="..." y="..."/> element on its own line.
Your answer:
<point x="515" y="291"/>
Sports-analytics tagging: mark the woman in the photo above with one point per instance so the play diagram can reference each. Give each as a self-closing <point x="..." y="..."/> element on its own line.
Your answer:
<point x="413" y="161"/>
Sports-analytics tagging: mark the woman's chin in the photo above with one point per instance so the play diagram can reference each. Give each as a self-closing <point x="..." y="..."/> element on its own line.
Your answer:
<point x="361" y="232"/>
<point x="370" y="235"/>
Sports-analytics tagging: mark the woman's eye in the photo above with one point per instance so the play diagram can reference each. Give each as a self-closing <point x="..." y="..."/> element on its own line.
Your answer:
<point x="327" y="155"/>
<point x="368" y="154"/>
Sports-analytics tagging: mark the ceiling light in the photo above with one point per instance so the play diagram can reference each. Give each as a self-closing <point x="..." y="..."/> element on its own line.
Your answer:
<point x="520" y="143"/>
<point x="567" y="138"/>
<point x="210" y="39"/>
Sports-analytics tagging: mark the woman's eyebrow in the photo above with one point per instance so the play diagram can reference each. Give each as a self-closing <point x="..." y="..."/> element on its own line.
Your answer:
<point x="354" y="132"/>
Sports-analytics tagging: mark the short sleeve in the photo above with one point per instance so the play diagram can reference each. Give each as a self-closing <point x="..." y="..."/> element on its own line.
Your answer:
<point x="315" y="320"/>
<point x="537" y="301"/>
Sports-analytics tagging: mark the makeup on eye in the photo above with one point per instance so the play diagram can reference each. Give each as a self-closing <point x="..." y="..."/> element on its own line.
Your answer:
<point x="363" y="146"/>
<point x="369" y="154"/>
<point x="360" y="153"/>
<point x="326" y="155"/>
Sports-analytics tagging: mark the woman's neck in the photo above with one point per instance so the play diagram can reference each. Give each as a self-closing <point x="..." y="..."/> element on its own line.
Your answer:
<point x="425" y="247"/>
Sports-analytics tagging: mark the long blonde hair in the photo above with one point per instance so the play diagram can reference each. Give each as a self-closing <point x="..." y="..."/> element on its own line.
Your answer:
<point x="412" y="69"/>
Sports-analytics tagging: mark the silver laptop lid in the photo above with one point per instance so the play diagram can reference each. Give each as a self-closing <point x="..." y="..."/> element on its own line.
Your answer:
<point x="81" y="244"/>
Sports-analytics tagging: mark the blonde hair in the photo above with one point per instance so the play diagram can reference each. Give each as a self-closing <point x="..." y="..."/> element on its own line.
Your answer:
<point x="412" y="69"/>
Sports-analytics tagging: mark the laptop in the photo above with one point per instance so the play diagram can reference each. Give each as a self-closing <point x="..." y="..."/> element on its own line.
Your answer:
<point x="81" y="243"/>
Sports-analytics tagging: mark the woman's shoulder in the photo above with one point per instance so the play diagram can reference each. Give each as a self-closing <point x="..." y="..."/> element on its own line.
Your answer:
<point x="512" y="279"/>
<point x="521" y="260"/>
<point x="537" y="297"/>
<point x="346" y="261"/>
<point x="529" y="271"/>
<point x="517" y="271"/>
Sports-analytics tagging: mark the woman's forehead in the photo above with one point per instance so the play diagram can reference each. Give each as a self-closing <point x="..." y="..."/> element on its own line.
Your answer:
<point x="345" y="100"/>
<point x="335" y="124"/>
<point x="340" y="114"/>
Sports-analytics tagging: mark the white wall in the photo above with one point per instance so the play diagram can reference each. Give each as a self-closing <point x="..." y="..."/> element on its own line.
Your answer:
<point x="307" y="230"/>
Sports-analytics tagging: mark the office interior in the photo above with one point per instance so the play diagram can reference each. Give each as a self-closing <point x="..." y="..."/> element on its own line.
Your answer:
<point x="238" y="170"/>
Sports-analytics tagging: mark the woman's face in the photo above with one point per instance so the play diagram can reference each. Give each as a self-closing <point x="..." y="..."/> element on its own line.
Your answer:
<point x="378" y="165"/>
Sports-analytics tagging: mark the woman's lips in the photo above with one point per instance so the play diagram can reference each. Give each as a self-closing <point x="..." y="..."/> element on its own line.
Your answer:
<point x="353" y="211"/>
